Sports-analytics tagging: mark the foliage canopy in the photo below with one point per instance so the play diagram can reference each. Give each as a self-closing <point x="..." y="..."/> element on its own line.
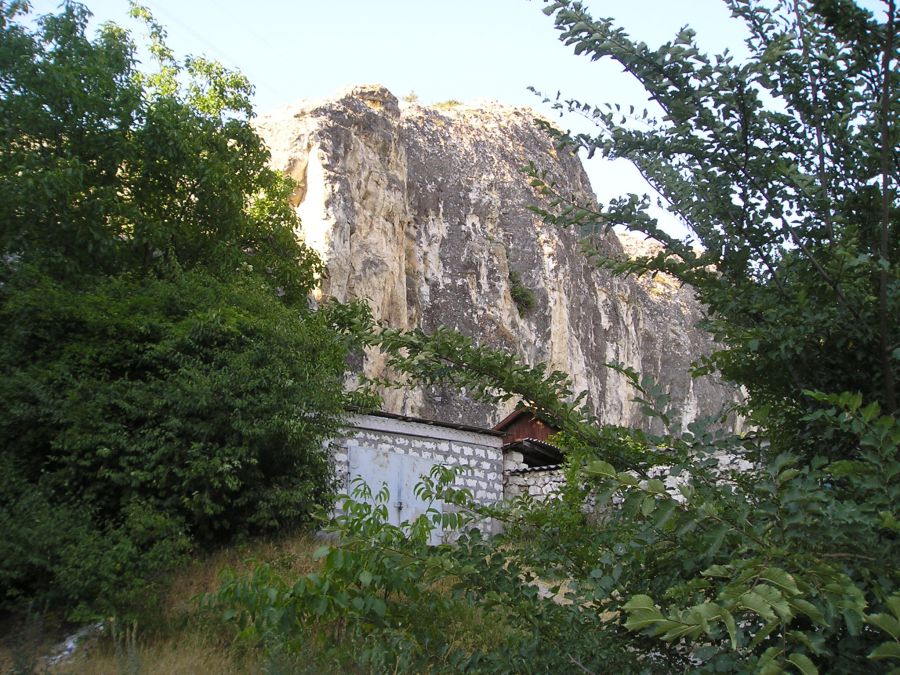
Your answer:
<point x="163" y="383"/>
<point x="106" y="168"/>
<point x="783" y="166"/>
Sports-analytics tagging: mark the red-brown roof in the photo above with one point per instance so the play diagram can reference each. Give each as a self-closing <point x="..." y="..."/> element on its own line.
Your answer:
<point x="522" y="424"/>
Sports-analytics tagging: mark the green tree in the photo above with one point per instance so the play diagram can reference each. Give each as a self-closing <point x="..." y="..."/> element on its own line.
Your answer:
<point x="706" y="552"/>
<point x="164" y="383"/>
<point x="783" y="167"/>
<point x="106" y="168"/>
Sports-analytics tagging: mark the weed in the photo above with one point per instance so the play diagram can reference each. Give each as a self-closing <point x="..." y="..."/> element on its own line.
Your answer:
<point x="523" y="296"/>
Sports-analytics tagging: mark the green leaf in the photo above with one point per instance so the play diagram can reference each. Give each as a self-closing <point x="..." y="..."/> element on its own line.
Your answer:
<point x="787" y="475"/>
<point x="778" y="577"/>
<point x="715" y="542"/>
<point x="656" y="486"/>
<point x="731" y="627"/>
<point x="640" y="602"/>
<point x="893" y="604"/>
<point x="600" y="468"/>
<point x="847" y="467"/>
<point x="765" y="632"/>
<point x="887" y="623"/>
<point x="871" y="411"/>
<point x="718" y="571"/>
<point x="757" y="603"/>
<point x="642" y="613"/>
<point x="627" y="479"/>
<point x="809" y="609"/>
<point x="887" y="650"/>
<point x="803" y="664"/>
<point x="550" y="9"/>
<point x="768" y="662"/>
<point x="664" y="513"/>
<point x="378" y="606"/>
<point x="776" y="600"/>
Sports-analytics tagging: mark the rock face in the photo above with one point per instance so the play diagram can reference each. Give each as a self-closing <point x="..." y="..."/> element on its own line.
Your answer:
<point x="423" y="212"/>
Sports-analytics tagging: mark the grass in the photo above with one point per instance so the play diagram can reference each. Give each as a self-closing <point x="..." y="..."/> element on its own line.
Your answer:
<point x="178" y="636"/>
<point x="175" y="637"/>
<point x="178" y="655"/>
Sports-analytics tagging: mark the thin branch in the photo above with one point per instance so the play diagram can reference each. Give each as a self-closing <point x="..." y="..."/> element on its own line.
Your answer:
<point x="887" y="370"/>
<point x="850" y="556"/>
<point x="816" y="118"/>
<point x="580" y="665"/>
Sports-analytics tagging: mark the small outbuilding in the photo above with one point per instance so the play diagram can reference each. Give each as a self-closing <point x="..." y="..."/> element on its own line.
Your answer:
<point x="397" y="450"/>
<point x="512" y="459"/>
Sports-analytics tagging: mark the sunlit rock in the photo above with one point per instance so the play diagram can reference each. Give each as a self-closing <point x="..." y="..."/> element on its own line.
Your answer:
<point x="422" y="210"/>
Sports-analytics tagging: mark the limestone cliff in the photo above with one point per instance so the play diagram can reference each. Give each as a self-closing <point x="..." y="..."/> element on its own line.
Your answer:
<point x="423" y="212"/>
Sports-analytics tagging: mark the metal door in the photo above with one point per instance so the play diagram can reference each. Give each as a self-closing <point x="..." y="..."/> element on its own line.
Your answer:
<point x="400" y="473"/>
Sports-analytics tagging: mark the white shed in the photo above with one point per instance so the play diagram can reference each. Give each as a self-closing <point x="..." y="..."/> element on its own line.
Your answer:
<point x="396" y="450"/>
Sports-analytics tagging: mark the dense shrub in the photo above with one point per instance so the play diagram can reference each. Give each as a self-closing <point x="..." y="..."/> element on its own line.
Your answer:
<point x="55" y="554"/>
<point x="163" y="383"/>
<point x="194" y="401"/>
<point x="385" y="600"/>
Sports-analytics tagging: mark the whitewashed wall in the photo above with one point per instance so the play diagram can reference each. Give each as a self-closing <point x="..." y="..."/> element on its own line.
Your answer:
<point x="376" y="445"/>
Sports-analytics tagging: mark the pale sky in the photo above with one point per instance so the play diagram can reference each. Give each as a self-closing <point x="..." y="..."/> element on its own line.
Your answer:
<point x="439" y="49"/>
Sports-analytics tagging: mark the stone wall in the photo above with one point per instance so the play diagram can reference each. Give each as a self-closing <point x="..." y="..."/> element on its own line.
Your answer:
<point x="541" y="483"/>
<point x="478" y="452"/>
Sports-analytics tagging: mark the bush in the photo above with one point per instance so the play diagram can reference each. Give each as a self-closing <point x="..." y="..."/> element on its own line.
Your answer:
<point x="162" y="382"/>
<point x="385" y="600"/>
<point x="522" y="296"/>
<point x="54" y="554"/>
<point x="138" y="412"/>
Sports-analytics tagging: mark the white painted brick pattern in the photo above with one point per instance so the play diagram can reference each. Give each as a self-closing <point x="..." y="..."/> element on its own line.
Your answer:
<point x="480" y="455"/>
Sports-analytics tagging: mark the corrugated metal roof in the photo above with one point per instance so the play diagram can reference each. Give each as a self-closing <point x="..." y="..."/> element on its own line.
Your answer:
<point x="533" y="469"/>
<point x="536" y="452"/>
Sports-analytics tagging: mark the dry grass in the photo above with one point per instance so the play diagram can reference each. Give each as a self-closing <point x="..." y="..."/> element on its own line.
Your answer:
<point x="190" y="655"/>
<point x="291" y="554"/>
<point x="177" y="637"/>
